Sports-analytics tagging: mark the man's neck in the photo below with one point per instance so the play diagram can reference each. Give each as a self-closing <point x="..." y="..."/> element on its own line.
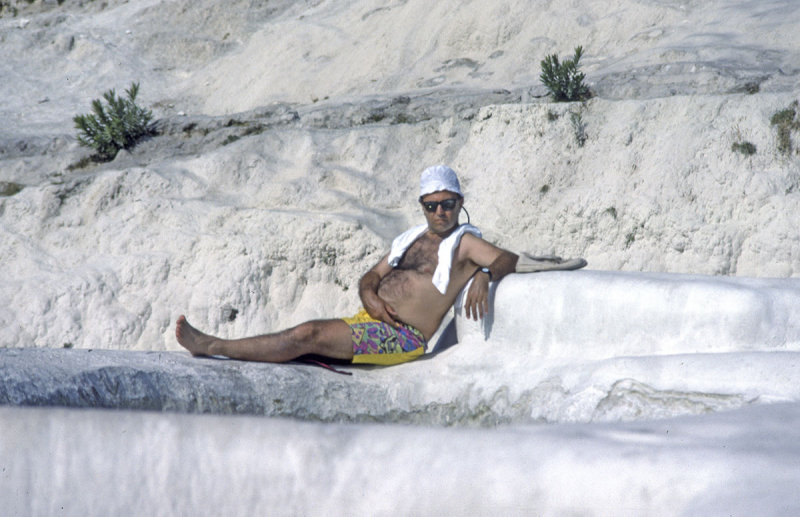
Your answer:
<point x="443" y="235"/>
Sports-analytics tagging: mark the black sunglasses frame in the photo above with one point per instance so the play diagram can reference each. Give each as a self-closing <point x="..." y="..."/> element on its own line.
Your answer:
<point x="447" y="204"/>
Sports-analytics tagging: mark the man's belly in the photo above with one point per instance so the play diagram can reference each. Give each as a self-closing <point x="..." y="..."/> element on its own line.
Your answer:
<point x="414" y="299"/>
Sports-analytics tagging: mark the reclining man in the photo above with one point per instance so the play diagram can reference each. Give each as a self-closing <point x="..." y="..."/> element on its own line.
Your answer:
<point x="405" y="295"/>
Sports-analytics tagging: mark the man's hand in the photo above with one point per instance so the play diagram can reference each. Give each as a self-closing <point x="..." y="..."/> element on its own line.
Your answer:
<point x="378" y="309"/>
<point x="368" y="292"/>
<point x="477" y="303"/>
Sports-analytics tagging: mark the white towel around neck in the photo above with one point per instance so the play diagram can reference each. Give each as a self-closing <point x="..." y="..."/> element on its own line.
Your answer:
<point x="441" y="277"/>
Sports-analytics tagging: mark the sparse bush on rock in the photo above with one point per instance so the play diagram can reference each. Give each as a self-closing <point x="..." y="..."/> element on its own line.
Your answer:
<point x="563" y="80"/>
<point x="746" y="148"/>
<point x="117" y="125"/>
<point x="9" y="188"/>
<point x="578" y="128"/>
<point x="785" y="121"/>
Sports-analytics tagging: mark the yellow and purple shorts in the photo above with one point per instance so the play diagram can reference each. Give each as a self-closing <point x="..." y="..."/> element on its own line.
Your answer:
<point x="376" y="342"/>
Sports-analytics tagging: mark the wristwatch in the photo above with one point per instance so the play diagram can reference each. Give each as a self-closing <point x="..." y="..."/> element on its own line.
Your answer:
<point x="487" y="271"/>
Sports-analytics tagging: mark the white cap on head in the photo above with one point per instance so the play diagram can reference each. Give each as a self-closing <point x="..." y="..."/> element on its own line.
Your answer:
<point x="438" y="178"/>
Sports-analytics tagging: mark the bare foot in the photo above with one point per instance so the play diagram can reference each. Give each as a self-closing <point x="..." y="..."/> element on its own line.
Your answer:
<point x="192" y="339"/>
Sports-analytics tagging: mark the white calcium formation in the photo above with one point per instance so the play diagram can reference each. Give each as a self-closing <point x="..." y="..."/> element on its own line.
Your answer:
<point x="290" y="140"/>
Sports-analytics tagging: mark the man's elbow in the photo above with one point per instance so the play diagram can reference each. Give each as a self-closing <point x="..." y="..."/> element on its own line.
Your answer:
<point x="370" y="281"/>
<point x="512" y="258"/>
<point x="505" y="264"/>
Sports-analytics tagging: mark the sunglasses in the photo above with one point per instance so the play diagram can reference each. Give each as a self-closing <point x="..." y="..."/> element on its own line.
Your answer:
<point x="447" y="204"/>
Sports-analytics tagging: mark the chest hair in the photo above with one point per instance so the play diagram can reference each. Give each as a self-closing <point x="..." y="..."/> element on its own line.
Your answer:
<point x="422" y="256"/>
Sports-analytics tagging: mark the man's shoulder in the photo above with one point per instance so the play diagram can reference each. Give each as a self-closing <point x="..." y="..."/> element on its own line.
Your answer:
<point x="477" y="249"/>
<point x="471" y="239"/>
<point x="467" y="245"/>
<point x="468" y="230"/>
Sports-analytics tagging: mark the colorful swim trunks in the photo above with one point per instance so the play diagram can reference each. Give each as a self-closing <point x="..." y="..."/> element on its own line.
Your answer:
<point x="376" y="342"/>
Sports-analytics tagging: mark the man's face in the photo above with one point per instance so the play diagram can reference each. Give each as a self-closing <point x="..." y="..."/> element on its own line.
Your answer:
<point x="441" y="220"/>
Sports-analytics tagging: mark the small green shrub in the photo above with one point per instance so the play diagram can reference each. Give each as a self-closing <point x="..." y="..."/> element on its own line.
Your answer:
<point x="746" y="148"/>
<point x="563" y="80"/>
<point x="230" y="139"/>
<point x="578" y="128"/>
<point x="9" y="188"/>
<point x="255" y="129"/>
<point x="752" y="88"/>
<point x="117" y="125"/>
<point x="785" y="121"/>
<point x="80" y="164"/>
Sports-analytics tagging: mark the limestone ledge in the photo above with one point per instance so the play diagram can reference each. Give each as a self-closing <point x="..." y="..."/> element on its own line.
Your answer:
<point x="560" y="347"/>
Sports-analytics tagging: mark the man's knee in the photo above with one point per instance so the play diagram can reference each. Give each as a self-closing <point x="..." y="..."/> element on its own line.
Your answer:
<point x="304" y="335"/>
<point x="327" y="337"/>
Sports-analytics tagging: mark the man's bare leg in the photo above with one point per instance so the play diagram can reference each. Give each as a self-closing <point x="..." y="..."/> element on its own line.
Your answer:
<point x="329" y="338"/>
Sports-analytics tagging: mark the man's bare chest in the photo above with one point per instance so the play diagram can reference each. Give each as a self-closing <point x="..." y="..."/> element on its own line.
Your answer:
<point x="422" y="256"/>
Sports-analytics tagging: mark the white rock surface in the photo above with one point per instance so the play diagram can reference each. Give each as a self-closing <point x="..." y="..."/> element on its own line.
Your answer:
<point x="735" y="463"/>
<point x="310" y="196"/>
<point x="577" y="346"/>
<point x="291" y="136"/>
<point x="599" y="314"/>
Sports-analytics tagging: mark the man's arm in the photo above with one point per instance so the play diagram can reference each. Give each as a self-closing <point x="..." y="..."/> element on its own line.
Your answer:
<point x="500" y="263"/>
<point x="368" y="291"/>
<point x="504" y="264"/>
